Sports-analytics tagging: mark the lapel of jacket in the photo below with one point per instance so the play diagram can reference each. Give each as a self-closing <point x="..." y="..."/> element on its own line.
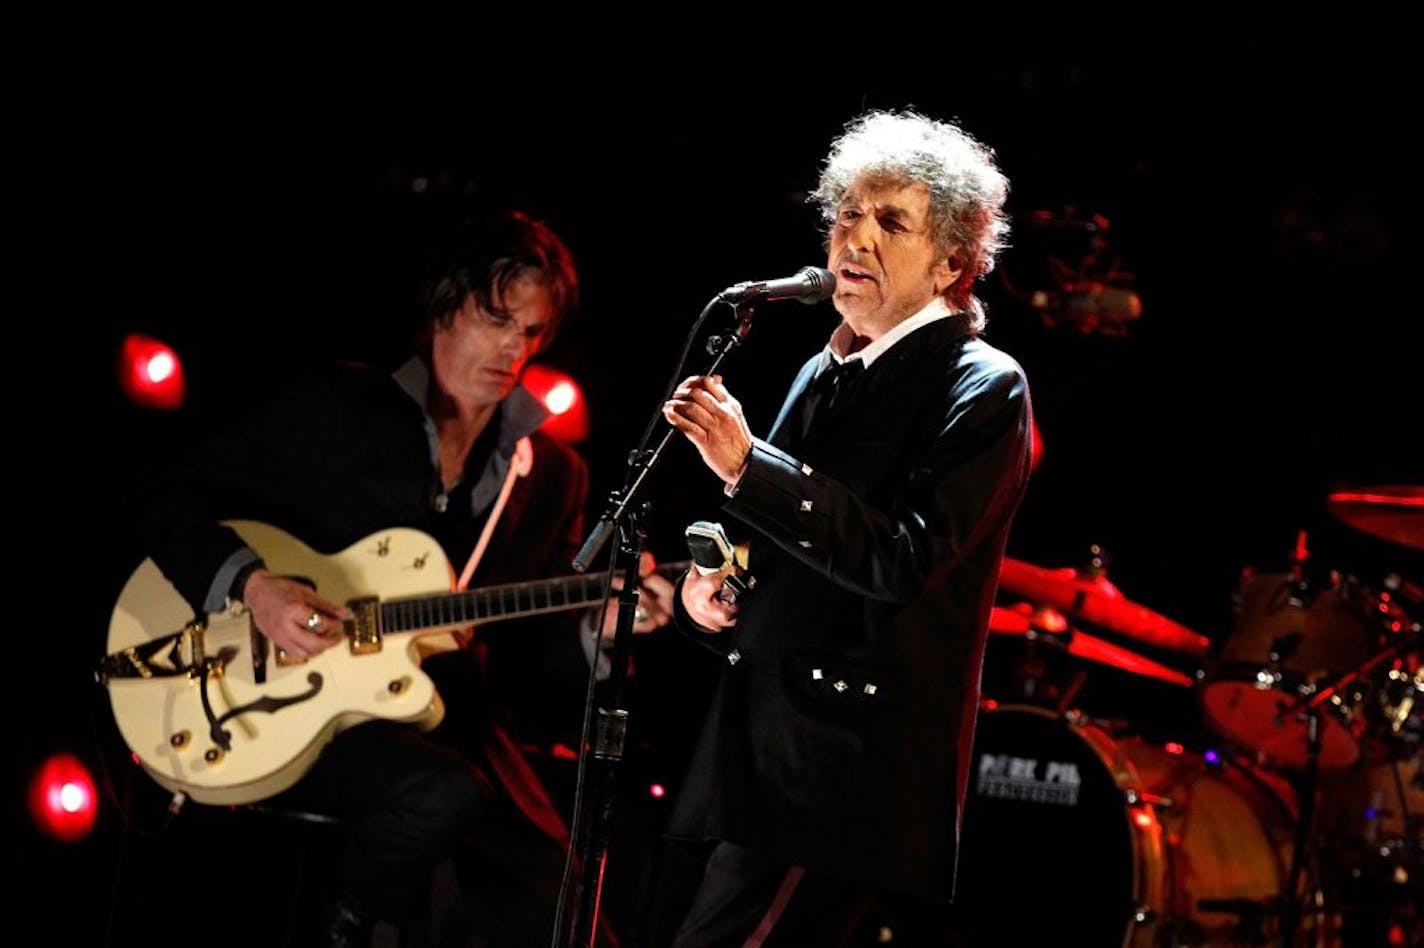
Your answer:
<point x="898" y="368"/>
<point x="786" y="430"/>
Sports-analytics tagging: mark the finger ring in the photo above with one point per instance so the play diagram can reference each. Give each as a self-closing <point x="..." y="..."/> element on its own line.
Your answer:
<point x="640" y="614"/>
<point x="314" y="621"/>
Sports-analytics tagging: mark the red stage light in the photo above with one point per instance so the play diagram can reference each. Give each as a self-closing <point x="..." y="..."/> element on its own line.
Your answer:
<point x="150" y="373"/>
<point x="63" y="801"/>
<point x="568" y="412"/>
<point x="657" y="791"/>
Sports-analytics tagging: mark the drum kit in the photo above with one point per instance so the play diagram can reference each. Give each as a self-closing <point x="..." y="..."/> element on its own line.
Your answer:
<point x="1293" y="818"/>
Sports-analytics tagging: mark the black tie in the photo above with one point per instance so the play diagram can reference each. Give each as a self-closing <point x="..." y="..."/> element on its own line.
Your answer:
<point x="826" y="389"/>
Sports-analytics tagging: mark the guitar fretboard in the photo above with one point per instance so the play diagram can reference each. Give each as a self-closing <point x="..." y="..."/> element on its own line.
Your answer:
<point x="509" y="601"/>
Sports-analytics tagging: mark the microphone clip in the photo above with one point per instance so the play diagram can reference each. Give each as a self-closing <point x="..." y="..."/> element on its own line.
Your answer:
<point x="744" y="292"/>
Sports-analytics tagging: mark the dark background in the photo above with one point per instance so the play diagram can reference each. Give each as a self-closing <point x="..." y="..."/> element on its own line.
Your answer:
<point x="254" y="191"/>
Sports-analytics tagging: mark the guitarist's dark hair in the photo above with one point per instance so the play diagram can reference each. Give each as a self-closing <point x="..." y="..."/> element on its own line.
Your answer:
<point x="481" y="256"/>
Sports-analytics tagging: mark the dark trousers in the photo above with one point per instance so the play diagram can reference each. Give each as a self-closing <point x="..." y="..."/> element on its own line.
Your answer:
<point x="748" y="900"/>
<point x="407" y="802"/>
<point x="509" y="877"/>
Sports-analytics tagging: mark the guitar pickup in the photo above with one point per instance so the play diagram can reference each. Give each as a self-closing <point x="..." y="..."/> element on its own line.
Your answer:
<point x="364" y="631"/>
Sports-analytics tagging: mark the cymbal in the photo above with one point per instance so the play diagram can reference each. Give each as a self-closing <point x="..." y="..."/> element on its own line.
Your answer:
<point x="1393" y="512"/>
<point x="1006" y="621"/>
<point x="1049" y="626"/>
<point x="1094" y="599"/>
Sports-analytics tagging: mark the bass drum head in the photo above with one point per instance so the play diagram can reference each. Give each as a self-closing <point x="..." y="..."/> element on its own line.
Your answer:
<point x="1047" y="850"/>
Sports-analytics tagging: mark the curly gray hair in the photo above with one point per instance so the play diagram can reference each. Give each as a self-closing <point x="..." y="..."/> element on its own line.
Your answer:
<point x="967" y="189"/>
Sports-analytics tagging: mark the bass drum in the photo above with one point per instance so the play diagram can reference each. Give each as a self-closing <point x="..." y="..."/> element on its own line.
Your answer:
<point x="1074" y="836"/>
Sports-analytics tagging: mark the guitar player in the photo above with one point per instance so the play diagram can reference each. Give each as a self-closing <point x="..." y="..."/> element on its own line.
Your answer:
<point x="448" y="443"/>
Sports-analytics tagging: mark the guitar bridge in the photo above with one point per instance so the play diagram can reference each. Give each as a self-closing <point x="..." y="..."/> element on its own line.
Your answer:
<point x="180" y="653"/>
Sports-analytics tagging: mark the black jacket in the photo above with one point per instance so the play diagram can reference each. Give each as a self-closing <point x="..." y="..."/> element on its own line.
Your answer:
<point x="839" y="733"/>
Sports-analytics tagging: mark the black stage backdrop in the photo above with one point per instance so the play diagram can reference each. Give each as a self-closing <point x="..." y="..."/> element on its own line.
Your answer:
<point x="253" y="190"/>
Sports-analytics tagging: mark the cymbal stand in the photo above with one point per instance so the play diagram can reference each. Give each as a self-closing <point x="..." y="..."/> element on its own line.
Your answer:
<point x="1290" y="907"/>
<point x="1070" y="693"/>
<point x="1029" y="670"/>
<point x="1309" y="707"/>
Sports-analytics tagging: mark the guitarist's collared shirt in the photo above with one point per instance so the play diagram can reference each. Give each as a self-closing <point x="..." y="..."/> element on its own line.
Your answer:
<point x="461" y="511"/>
<point x="520" y="414"/>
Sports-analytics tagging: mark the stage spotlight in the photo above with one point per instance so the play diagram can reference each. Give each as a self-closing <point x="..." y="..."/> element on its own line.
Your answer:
<point x="150" y="373"/>
<point x="561" y="395"/>
<point x="63" y="801"/>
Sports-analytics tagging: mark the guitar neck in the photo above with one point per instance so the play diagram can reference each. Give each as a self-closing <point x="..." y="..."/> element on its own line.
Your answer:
<point x="507" y="601"/>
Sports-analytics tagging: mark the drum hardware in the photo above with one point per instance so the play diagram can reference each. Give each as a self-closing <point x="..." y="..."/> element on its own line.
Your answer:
<point x="1375" y="840"/>
<point x="1251" y="913"/>
<point x="1396" y="586"/>
<point x="1304" y="830"/>
<point x="1395" y="823"/>
<point x="1308" y="709"/>
<point x="1070" y="693"/>
<point x="1398" y="696"/>
<point x="1297" y="646"/>
<point x="1030" y="670"/>
<point x="1154" y="800"/>
<point x="1315" y="696"/>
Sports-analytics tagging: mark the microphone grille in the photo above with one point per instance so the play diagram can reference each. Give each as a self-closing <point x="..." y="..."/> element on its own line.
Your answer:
<point x="820" y="284"/>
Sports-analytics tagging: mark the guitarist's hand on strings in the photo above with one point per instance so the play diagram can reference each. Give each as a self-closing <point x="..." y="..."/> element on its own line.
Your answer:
<point x="655" y="604"/>
<point x="292" y="615"/>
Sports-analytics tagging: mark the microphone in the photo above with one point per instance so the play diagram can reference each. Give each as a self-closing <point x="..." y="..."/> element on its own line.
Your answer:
<point x="809" y="285"/>
<point x="712" y="553"/>
<point x="709" y="546"/>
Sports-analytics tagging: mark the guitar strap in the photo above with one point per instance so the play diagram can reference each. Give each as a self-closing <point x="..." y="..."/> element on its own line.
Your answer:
<point x="520" y="464"/>
<point x="508" y="761"/>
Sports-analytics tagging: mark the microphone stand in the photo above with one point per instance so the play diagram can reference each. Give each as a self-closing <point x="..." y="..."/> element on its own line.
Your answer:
<point x="625" y="515"/>
<point x="642" y="461"/>
<point x="604" y="754"/>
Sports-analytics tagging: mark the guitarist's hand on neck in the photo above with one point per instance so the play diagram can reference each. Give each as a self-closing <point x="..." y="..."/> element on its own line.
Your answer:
<point x="292" y="615"/>
<point x="655" y="602"/>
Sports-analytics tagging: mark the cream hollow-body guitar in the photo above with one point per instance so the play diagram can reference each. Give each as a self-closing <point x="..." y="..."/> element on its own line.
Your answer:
<point x="213" y="710"/>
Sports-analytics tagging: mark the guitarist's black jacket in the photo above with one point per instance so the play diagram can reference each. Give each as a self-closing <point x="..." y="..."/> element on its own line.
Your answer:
<point x="332" y="455"/>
